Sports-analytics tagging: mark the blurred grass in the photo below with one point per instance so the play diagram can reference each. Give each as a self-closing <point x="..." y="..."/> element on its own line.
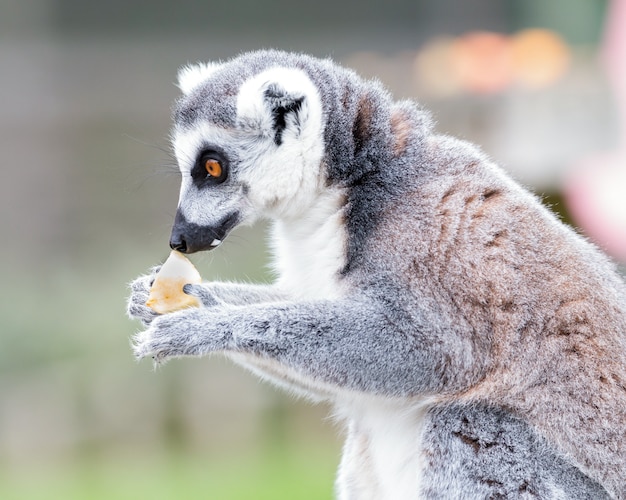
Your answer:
<point x="284" y="474"/>
<point x="80" y="419"/>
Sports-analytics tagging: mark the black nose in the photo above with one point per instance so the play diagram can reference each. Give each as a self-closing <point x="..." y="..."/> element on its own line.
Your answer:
<point x="179" y="244"/>
<point x="188" y="237"/>
<point x="178" y="237"/>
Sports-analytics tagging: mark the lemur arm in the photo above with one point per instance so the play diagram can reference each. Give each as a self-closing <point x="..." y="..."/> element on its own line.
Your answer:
<point x="344" y="343"/>
<point x="212" y="293"/>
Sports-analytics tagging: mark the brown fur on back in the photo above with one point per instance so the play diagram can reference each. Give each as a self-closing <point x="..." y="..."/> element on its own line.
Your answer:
<point x="546" y="310"/>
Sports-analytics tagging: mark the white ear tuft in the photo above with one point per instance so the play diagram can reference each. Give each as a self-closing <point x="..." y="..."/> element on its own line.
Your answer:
<point x="278" y="101"/>
<point x="192" y="75"/>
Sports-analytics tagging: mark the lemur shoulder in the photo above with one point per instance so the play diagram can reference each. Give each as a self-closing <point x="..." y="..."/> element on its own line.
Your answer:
<point x="474" y="344"/>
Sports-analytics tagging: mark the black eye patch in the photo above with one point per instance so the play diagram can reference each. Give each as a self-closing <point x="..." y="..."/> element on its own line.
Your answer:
<point x="211" y="168"/>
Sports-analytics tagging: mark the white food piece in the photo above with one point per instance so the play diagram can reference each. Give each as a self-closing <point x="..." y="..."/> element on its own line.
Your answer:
<point x="166" y="293"/>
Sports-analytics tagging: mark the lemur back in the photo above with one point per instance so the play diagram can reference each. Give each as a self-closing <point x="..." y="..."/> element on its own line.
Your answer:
<point x="474" y="345"/>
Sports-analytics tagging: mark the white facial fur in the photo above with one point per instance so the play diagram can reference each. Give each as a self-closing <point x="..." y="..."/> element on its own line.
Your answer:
<point x="282" y="180"/>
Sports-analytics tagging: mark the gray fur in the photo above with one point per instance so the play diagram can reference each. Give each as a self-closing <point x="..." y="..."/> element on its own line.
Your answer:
<point x="458" y="288"/>
<point x="486" y="452"/>
<point x="235" y="294"/>
<point x="140" y="289"/>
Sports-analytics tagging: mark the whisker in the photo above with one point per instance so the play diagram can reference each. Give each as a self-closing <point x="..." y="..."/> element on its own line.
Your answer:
<point x="167" y="151"/>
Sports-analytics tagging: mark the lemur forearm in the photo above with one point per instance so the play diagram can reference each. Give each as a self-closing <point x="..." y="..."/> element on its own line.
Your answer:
<point x="239" y="294"/>
<point x="325" y="342"/>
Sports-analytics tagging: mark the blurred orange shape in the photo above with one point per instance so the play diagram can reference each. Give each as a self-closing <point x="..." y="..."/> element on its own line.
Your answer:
<point x="434" y="68"/>
<point x="540" y="57"/>
<point x="482" y="61"/>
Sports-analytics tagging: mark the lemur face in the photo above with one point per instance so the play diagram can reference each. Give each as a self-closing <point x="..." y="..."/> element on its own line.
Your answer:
<point x="248" y="146"/>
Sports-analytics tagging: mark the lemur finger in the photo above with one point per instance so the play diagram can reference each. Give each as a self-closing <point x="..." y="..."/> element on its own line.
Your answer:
<point x="139" y="296"/>
<point x="141" y="312"/>
<point x="142" y="284"/>
<point x="136" y="305"/>
<point x="153" y="272"/>
<point x="138" y="310"/>
<point x="207" y="298"/>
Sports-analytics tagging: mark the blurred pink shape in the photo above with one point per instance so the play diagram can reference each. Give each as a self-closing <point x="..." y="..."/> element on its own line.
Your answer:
<point x="596" y="190"/>
<point x="596" y="196"/>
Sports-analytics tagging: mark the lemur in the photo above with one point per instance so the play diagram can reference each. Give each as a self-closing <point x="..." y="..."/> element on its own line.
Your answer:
<point x="473" y="344"/>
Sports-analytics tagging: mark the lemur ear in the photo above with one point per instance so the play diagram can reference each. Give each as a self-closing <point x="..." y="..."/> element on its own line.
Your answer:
<point x="285" y="107"/>
<point x="280" y="103"/>
<point x="192" y="75"/>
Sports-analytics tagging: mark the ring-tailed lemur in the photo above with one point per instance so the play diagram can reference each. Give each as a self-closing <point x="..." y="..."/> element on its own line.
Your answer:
<point x="474" y="345"/>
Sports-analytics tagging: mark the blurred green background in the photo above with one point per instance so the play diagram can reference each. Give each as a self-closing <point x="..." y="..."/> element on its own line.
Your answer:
<point x="88" y="191"/>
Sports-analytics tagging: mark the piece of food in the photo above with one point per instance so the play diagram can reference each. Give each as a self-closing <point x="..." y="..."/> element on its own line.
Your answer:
<point x="166" y="293"/>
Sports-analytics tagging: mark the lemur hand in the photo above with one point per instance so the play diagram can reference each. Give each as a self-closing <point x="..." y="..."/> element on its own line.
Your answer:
<point x="136" y="307"/>
<point x="194" y="331"/>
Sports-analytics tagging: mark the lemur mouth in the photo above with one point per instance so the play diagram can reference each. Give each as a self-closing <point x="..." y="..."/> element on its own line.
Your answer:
<point x="188" y="237"/>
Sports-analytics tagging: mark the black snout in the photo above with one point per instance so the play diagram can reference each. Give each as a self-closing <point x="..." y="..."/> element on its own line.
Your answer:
<point x="188" y="237"/>
<point x="178" y="242"/>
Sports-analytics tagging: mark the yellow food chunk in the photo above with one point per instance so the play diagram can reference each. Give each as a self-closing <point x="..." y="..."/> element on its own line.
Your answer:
<point x="166" y="293"/>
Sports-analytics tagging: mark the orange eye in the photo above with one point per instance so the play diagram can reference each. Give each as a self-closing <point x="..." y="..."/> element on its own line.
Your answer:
<point x="213" y="167"/>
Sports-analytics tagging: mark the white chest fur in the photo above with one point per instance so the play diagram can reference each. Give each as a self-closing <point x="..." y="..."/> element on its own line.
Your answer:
<point x="382" y="456"/>
<point x="309" y="251"/>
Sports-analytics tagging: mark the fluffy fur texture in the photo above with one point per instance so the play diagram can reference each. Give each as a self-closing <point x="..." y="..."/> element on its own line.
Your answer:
<point x="475" y="346"/>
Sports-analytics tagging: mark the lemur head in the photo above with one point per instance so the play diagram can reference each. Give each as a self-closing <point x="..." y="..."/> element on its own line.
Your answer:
<point x="249" y="141"/>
